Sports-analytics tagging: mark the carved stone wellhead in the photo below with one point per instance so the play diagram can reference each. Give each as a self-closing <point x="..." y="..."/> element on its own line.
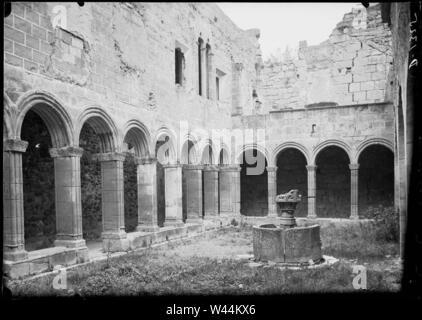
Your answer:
<point x="286" y="206"/>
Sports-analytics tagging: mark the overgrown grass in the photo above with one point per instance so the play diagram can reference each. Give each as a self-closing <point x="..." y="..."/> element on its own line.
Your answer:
<point x="167" y="271"/>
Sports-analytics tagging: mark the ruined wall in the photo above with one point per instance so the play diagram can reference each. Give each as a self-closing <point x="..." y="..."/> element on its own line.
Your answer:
<point x="311" y="131"/>
<point x="351" y="67"/>
<point x="121" y="56"/>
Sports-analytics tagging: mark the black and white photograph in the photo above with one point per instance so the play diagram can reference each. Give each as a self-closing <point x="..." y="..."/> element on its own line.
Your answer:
<point x="228" y="149"/>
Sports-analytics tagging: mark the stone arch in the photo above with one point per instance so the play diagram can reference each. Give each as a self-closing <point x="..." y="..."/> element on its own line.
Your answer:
<point x="277" y="151"/>
<point x="373" y="141"/>
<point x="254" y="184"/>
<point x="251" y="146"/>
<point x="189" y="150"/>
<point x="7" y="124"/>
<point x="333" y="187"/>
<point x="51" y="111"/>
<point x="165" y="135"/>
<point x="328" y="143"/>
<point x="375" y="181"/>
<point x="137" y="134"/>
<point x="208" y="158"/>
<point x="223" y="156"/>
<point x="291" y="173"/>
<point x="102" y="124"/>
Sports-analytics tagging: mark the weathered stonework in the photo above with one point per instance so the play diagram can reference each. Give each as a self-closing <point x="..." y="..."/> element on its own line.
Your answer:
<point x="351" y="67"/>
<point x="91" y="72"/>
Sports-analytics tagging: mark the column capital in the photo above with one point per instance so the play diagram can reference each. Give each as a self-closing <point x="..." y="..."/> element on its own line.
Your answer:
<point x="193" y="166"/>
<point x="172" y="165"/>
<point x="109" y="156"/>
<point x="231" y="168"/>
<point x="311" y="167"/>
<point x="146" y="160"/>
<point x="68" y="151"/>
<point x="210" y="167"/>
<point x="272" y="169"/>
<point x="15" y="145"/>
<point x="354" y="166"/>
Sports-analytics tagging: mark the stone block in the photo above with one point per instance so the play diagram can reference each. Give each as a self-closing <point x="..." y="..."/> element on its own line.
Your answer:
<point x="39" y="266"/>
<point x="16" y="270"/>
<point x="353" y="87"/>
<point x="367" y="85"/>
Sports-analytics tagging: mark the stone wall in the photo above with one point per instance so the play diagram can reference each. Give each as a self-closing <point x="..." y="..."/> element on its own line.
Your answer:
<point x="351" y="67"/>
<point x="96" y="60"/>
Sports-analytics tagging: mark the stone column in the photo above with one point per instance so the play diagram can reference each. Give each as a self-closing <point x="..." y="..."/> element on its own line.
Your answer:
<point x="210" y="192"/>
<point x="147" y="195"/>
<point x="193" y="190"/>
<point x="13" y="220"/>
<point x="67" y="182"/>
<point x="112" y="201"/>
<point x="354" y="174"/>
<point x="311" y="191"/>
<point x="272" y="191"/>
<point x="173" y="192"/>
<point x="230" y="190"/>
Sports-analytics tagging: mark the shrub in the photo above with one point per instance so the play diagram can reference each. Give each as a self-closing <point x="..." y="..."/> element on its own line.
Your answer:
<point x="387" y="222"/>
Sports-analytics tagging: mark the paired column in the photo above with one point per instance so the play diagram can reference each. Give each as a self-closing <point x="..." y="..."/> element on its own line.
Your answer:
<point x="193" y="192"/>
<point x="311" y="191"/>
<point x="210" y="192"/>
<point x="229" y="185"/>
<point x="272" y="191"/>
<point x="354" y="174"/>
<point x="67" y="181"/>
<point x="13" y="220"/>
<point x="173" y="192"/>
<point x="147" y="195"/>
<point x="112" y="201"/>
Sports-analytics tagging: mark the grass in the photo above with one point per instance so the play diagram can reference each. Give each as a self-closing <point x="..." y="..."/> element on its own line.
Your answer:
<point x="209" y="266"/>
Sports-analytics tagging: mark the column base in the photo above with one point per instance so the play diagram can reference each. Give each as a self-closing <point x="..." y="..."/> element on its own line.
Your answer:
<point x="197" y="220"/>
<point x="313" y="216"/>
<point x="15" y="255"/>
<point x="115" y="242"/>
<point x="354" y="217"/>
<point x="211" y="217"/>
<point x="173" y="223"/>
<point x="147" y="228"/>
<point x="70" y="243"/>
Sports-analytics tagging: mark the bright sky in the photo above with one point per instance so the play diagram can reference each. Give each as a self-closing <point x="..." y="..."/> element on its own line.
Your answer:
<point x="285" y="24"/>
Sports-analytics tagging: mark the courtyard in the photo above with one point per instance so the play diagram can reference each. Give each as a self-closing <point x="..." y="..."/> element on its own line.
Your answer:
<point x="221" y="262"/>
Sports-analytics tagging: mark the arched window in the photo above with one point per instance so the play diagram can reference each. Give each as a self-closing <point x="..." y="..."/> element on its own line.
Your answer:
<point x="200" y="45"/>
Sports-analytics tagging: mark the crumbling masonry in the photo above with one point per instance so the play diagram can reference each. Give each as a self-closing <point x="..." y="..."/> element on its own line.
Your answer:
<point x="136" y="74"/>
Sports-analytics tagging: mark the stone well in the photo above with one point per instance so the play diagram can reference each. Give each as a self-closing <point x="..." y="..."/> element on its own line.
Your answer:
<point x="288" y="243"/>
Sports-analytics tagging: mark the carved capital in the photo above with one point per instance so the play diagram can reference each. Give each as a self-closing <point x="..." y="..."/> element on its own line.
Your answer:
<point x="144" y="161"/>
<point x="172" y="165"/>
<point x="210" y="167"/>
<point x="15" y="145"/>
<point x="69" y="151"/>
<point x="354" y="166"/>
<point x="193" y="167"/>
<point x="109" y="156"/>
<point x="231" y="168"/>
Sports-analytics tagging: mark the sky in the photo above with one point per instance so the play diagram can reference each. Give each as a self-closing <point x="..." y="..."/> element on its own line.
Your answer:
<point x="285" y="24"/>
